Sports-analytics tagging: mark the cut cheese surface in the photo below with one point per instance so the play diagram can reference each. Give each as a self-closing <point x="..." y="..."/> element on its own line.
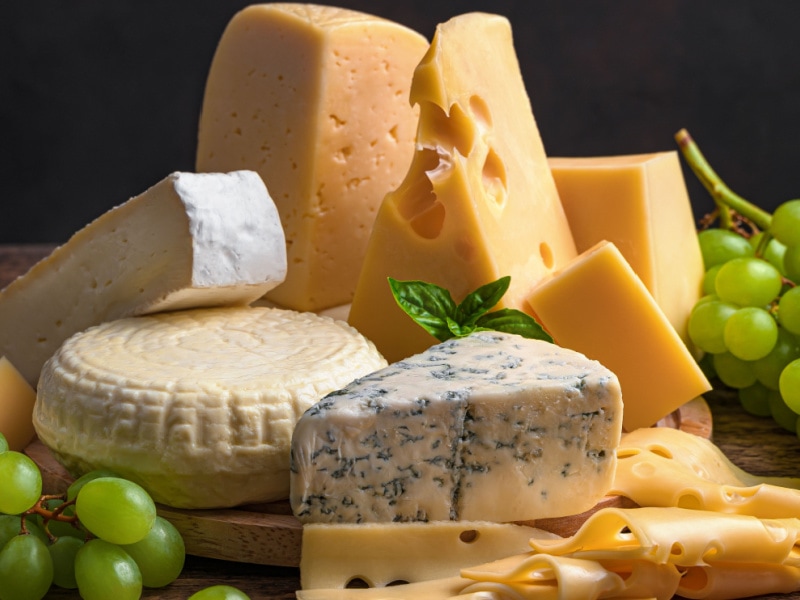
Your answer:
<point x="478" y="202"/>
<point x="380" y="554"/>
<point x="489" y="427"/>
<point x="17" y="398"/>
<point x="190" y="240"/>
<point x="640" y="203"/>
<point x="197" y="406"/>
<point x="315" y="99"/>
<point x="598" y="306"/>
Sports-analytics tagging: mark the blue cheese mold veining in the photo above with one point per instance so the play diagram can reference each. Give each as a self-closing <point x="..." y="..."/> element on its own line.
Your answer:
<point x="492" y="426"/>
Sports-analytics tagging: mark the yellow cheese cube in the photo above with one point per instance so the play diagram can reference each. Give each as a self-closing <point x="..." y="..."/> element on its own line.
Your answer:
<point x="16" y="406"/>
<point x="316" y="100"/>
<point x="640" y="203"/>
<point x="478" y="202"/>
<point x="598" y="306"/>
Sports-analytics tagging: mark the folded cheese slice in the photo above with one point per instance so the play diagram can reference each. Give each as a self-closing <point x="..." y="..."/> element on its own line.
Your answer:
<point x="491" y="426"/>
<point x="190" y="240"/>
<point x="478" y="202"/>
<point x="314" y="98"/>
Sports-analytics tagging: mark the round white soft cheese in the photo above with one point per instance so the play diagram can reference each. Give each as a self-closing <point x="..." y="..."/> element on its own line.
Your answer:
<point x="197" y="406"/>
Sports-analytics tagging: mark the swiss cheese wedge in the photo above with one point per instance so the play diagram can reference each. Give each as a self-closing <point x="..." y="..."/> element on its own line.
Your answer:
<point x="478" y="202"/>
<point x="315" y="99"/>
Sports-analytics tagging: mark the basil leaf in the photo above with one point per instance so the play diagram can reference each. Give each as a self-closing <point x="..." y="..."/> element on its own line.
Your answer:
<point x="428" y="304"/>
<point x="481" y="301"/>
<point x="511" y="320"/>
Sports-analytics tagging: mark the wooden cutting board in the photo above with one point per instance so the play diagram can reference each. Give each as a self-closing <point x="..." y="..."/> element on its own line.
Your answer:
<point x="268" y="534"/>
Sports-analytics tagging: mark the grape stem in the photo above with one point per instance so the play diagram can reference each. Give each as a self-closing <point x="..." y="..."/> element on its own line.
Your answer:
<point x="57" y="514"/>
<point x="725" y="199"/>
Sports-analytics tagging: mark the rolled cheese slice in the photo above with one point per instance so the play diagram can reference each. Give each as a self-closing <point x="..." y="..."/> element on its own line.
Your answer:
<point x="197" y="406"/>
<point x="192" y="240"/>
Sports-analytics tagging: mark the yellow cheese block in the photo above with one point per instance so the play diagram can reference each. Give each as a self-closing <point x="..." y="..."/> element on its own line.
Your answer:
<point x="315" y="99"/>
<point x="479" y="201"/>
<point x="16" y="406"/>
<point x="640" y="203"/>
<point x="598" y="306"/>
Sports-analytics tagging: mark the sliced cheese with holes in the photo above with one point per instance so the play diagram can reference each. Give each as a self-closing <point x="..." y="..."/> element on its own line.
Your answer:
<point x="640" y="203"/>
<point x="190" y="240"/>
<point x="491" y="426"/>
<point x="478" y="202"/>
<point x="678" y="469"/>
<point x="597" y="305"/>
<point x="197" y="406"/>
<point x="17" y="398"/>
<point x="381" y="554"/>
<point x="314" y="98"/>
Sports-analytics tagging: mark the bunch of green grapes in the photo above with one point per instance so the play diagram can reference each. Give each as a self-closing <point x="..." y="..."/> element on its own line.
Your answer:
<point x="748" y="321"/>
<point x="103" y="537"/>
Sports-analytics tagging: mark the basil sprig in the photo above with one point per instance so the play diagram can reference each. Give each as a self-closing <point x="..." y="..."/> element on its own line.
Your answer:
<point x="436" y="312"/>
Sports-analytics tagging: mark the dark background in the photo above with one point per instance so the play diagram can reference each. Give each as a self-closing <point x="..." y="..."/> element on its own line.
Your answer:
<point x="100" y="100"/>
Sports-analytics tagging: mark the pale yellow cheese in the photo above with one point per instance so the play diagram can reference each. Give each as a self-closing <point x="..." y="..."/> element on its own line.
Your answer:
<point x="334" y="556"/>
<point x="197" y="406"/>
<point x="16" y="406"/>
<point x="598" y="306"/>
<point x="640" y="203"/>
<point x="315" y="99"/>
<point x="191" y="240"/>
<point x="478" y="202"/>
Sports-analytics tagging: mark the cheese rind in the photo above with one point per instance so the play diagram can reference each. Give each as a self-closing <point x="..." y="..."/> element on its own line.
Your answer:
<point x="197" y="406"/>
<point x="488" y="427"/>
<point x="315" y="99"/>
<point x="478" y="202"/>
<point x="640" y="203"/>
<point x="598" y="306"/>
<point x="190" y="240"/>
<point x="17" y="398"/>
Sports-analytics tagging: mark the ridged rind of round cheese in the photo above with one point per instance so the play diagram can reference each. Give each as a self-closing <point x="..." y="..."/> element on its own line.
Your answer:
<point x="198" y="406"/>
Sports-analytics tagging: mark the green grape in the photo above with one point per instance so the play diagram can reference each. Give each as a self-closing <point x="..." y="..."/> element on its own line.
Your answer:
<point x="750" y="333"/>
<point x="707" y="324"/>
<point x="3" y="443"/>
<point x="219" y="592"/>
<point x="755" y="400"/>
<point x="768" y="369"/>
<point x="789" y="310"/>
<point x="773" y="253"/>
<point x="790" y="385"/>
<point x="75" y="486"/>
<point x="732" y="371"/>
<point x="781" y="413"/>
<point x="115" y="510"/>
<point x="791" y="263"/>
<point x="104" y="571"/>
<point x="748" y="282"/>
<point x="785" y="224"/>
<point x="22" y="483"/>
<point x="706" y="364"/>
<point x="709" y="280"/>
<point x="718" y="246"/>
<point x="63" y="552"/>
<point x="26" y="569"/>
<point x="160" y="555"/>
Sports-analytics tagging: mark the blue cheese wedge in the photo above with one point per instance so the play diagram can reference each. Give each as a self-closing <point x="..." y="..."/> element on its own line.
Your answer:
<point x="192" y="240"/>
<point x="489" y="427"/>
<point x="197" y="406"/>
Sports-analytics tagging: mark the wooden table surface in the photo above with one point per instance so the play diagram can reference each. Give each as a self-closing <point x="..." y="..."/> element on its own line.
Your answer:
<point x="755" y="444"/>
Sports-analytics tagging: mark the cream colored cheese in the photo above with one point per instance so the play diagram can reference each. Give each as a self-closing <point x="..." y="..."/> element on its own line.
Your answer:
<point x="191" y="240"/>
<point x="198" y="406"/>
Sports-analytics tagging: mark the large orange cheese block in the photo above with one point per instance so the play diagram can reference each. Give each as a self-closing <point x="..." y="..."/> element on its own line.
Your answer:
<point x="315" y="99"/>
<point x="17" y="398"/>
<point x="640" y="203"/>
<point x="598" y="306"/>
<point x="479" y="201"/>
